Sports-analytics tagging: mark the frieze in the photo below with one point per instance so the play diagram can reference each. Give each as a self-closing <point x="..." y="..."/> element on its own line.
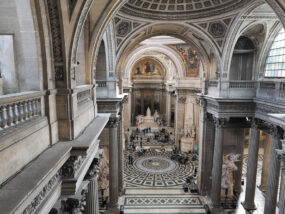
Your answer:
<point x="72" y="165"/>
<point x="34" y="205"/>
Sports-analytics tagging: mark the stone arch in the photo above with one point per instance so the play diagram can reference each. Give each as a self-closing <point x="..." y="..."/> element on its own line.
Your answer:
<point x="237" y="30"/>
<point x="101" y="63"/>
<point x="132" y="57"/>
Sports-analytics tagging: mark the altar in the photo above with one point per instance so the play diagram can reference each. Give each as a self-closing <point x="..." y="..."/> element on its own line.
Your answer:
<point x="147" y="121"/>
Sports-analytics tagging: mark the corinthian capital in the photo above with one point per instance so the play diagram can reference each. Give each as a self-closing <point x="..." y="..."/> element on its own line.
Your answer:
<point x="220" y="122"/>
<point x="113" y="122"/>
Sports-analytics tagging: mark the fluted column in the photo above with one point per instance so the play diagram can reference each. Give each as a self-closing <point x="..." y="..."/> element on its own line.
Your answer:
<point x="281" y="155"/>
<point x="92" y="200"/>
<point x="217" y="162"/>
<point x="206" y="151"/>
<point x="274" y="172"/>
<point x="248" y="203"/>
<point x="114" y="163"/>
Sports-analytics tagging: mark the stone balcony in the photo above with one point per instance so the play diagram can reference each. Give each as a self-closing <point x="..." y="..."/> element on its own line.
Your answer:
<point x="232" y="89"/>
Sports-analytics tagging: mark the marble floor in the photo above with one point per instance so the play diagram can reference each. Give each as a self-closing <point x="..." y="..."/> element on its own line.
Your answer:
<point x="154" y="185"/>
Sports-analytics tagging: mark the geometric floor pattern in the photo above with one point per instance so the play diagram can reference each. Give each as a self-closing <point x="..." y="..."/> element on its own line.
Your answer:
<point x="157" y="170"/>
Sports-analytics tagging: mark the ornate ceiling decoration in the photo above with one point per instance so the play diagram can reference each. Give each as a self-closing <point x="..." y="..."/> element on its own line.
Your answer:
<point x="181" y="9"/>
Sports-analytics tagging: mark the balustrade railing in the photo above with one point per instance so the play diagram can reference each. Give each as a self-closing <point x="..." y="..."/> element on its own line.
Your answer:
<point x="213" y="84"/>
<point x="101" y="83"/>
<point x="18" y="108"/>
<point x="242" y="84"/>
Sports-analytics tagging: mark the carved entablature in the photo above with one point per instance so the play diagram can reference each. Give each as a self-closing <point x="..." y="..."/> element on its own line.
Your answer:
<point x="36" y="202"/>
<point x="113" y="122"/>
<point x="72" y="166"/>
<point x="109" y="106"/>
<point x="229" y="108"/>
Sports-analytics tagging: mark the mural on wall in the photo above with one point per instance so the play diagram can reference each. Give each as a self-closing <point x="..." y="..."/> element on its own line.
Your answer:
<point x="147" y="67"/>
<point x="190" y="58"/>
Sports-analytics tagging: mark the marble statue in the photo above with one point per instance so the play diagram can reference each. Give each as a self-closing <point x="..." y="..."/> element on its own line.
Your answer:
<point x="227" y="174"/>
<point x="188" y="139"/>
<point x="103" y="177"/>
<point x="156" y="115"/>
<point x="148" y="112"/>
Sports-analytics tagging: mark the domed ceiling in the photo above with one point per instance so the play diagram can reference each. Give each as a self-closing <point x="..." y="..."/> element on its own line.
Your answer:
<point x="180" y="9"/>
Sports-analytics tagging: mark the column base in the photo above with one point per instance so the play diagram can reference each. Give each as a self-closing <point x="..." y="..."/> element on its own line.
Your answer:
<point x="217" y="210"/>
<point x="247" y="206"/>
<point x="112" y="210"/>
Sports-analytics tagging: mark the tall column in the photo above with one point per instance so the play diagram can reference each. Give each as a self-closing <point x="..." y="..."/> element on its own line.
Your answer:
<point x="239" y="150"/>
<point x="114" y="163"/>
<point x="281" y="155"/>
<point x="274" y="172"/>
<point x="168" y="108"/>
<point x="121" y="147"/>
<point x="92" y="199"/>
<point x="217" y="163"/>
<point x="248" y="203"/>
<point x="266" y="162"/>
<point x="206" y="145"/>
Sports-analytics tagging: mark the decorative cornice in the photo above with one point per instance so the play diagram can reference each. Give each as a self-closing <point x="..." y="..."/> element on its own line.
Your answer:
<point x="33" y="206"/>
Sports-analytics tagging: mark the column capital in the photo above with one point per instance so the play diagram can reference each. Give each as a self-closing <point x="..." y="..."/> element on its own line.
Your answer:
<point x="276" y="131"/>
<point x="182" y="99"/>
<point x="113" y="122"/>
<point x="220" y="122"/>
<point x="93" y="170"/>
<point x="255" y="123"/>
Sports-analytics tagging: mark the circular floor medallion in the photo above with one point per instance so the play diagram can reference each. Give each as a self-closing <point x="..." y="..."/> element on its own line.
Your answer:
<point x="156" y="165"/>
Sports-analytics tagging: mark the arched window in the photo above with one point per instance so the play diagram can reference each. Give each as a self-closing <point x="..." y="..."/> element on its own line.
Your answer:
<point x="275" y="64"/>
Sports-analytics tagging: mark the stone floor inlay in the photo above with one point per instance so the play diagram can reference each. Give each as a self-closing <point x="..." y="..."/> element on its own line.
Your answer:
<point x="157" y="170"/>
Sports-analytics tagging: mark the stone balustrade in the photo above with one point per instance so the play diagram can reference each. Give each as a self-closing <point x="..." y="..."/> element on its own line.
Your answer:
<point x="242" y="84"/>
<point x="101" y="83"/>
<point x="106" y="88"/>
<point x="20" y="107"/>
<point x="273" y="91"/>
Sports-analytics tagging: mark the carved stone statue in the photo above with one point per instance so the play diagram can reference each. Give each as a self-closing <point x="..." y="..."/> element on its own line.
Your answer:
<point x="227" y="174"/>
<point x="156" y="115"/>
<point x="148" y="112"/>
<point x="188" y="140"/>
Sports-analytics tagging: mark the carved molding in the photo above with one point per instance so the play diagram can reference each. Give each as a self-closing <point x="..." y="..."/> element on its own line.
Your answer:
<point x="32" y="207"/>
<point x="54" y="21"/>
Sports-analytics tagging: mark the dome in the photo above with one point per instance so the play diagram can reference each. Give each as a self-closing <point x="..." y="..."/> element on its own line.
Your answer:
<point x="180" y="9"/>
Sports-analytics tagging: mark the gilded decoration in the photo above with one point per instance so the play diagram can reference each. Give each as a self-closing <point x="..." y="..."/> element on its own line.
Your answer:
<point x="190" y="58"/>
<point x="147" y="67"/>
